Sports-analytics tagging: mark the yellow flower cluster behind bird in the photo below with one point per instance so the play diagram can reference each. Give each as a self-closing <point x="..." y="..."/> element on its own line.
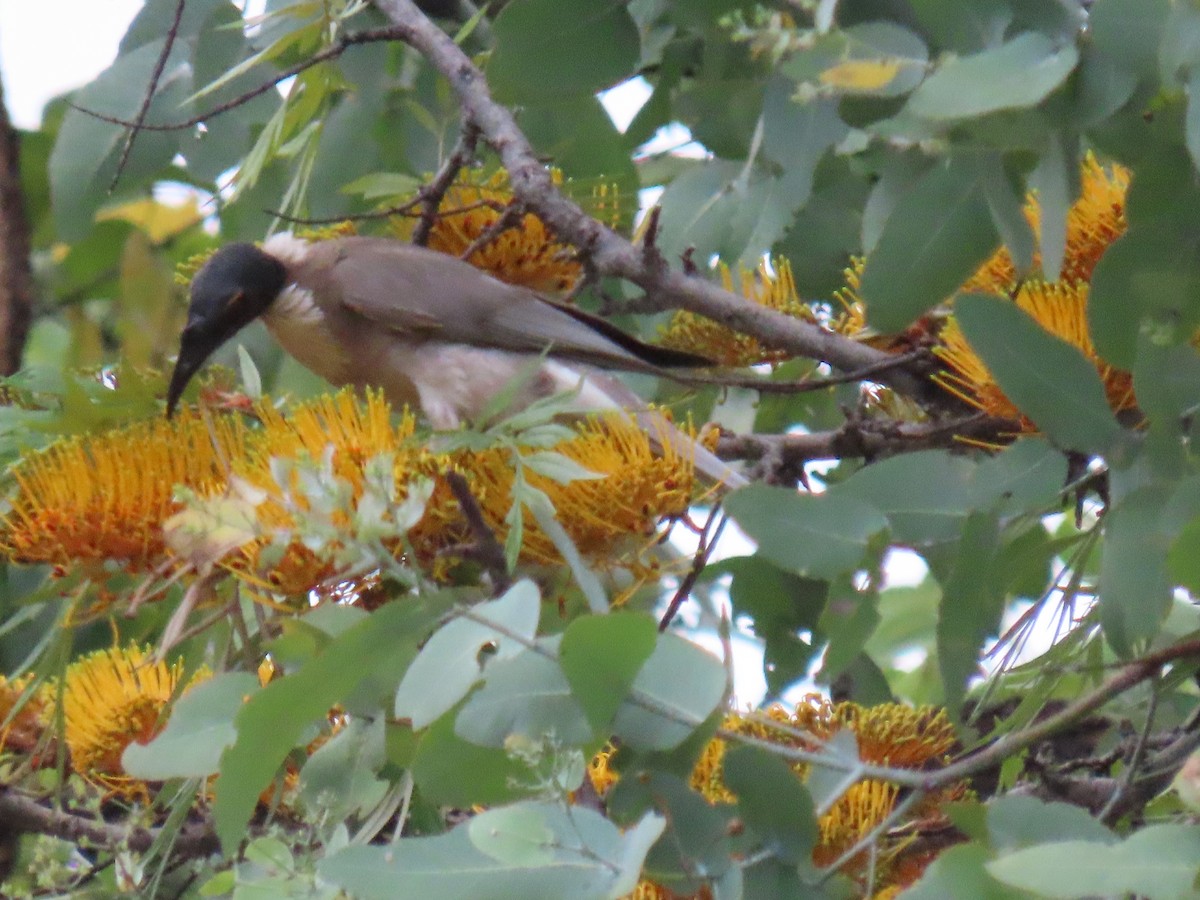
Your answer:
<point x="525" y="252"/>
<point x="1094" y="221"/>
<point x="889" y="734"/>
<point x="770" y="286"/>
<point x="103" y="498"/>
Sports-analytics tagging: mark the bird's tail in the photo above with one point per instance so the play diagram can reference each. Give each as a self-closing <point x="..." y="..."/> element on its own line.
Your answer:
<point x="598" y="392"/>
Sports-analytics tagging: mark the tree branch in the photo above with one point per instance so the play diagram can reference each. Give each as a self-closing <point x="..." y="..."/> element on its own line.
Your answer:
<point x="610" y="253"/>
<point x="151" y="87"/>
<point x="865" y="438"/>
<point x="16" y="274"/>
<point x="20" y="812"/>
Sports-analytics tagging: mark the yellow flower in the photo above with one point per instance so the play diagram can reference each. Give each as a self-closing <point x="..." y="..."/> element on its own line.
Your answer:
<point x="526" y="254"/>
<point x="640" y="486"/>
<point x="1061" y="309"/>
<point x="859" y="810"/>
<point x="105" y="496"/>
<point x="354" y="431"/>
<point x="771" y="286"/>
<point x="888" y="734"/>
<point x="110" y="699"/>
<point x="1094" y="221"/>
<point x="849" y="317"/>
<point x="21" y="724"/>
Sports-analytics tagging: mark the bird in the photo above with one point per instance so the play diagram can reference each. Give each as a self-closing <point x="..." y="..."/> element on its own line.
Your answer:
<point x="428" y="329"/>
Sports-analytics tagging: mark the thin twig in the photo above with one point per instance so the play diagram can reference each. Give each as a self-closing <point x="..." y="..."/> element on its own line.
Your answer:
<point x="138" y="120"/>
<point x="433" y="193"/>
<point x="1112" y="809"/>
<point x="407" y="208"/>
<point x="486" y="550"/>
<point x="334" y="50"/>
<point x="699" y="561"/>
<point x="511" y="218"/>
<point x="803" y="385"/>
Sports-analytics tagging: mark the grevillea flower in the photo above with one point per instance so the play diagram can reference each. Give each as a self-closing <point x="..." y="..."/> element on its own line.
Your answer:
<point x="771" y="286"/>
<point x="527" y="253"/>
<point x="1060" y="308"/>
<point x="350" y="431"/>
<point x="638" y="486"/>
<point x="110" y="699"/>
<point x="1094" y="221"/>
<point x="22" y="715"/>
<point x="105" y="496"/>
<point x="889" y="734"/>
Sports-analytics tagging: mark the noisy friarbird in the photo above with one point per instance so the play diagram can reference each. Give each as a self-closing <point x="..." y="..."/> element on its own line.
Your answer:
<point x="430" y="330"/>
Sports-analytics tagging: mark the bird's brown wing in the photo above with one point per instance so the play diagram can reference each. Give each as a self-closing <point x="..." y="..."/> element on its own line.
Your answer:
<point x="423" y="293"/>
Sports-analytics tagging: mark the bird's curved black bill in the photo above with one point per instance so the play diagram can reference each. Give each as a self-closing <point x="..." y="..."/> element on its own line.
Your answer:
<point x="192" y="355"/>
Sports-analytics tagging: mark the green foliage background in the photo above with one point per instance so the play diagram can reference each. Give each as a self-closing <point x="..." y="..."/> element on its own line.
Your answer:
<point x="924" y="173"/>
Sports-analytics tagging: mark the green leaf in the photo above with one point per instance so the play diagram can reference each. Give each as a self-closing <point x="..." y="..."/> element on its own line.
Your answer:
<point x="1131" y="33"/>
<point x="1047" y="378"/>
<point x="1029" y="474"/>
<point x="525" y="695"/>
<point x="937" y="235"/>
<point x="1135" y="592"/>
<point x="586" y="580"/>
<point x="558" y="467"/>
<point x="848" y="621"/>
<point x="786" y="610"/>
<point x="1054" y="180"/>
<point x="1147" y="283"/>
<point x="383" y="184"/>
<point x="85" y="154"/>
<point x="1157" y="862"/>
<point x="1006" y="203"/>
<point x="561" y="47"/>
<point x="274" y="719"/>
<point x="579" y="136"/>
<point x="959" y="872"/>
<point x="531" y="850"/>
<point x="450" y="771"/>
<point x="199" y="729"/>
<point x="676" y="689"/>
<point x="1019" y="73"/>
<point x="1183" y="562"/>
<point x="1014" y="822"/>
<point x="698" y="839"/>
<point x="772" y="801"/>
<point x="1191" y="123"/>
<point x="732" y="210"/>
<point x="451" y="662"/>
<point x="878" y="59"/>
<point x="601" y="656"/>
<point x="972" y="602"/>
<point x="899" y="488"/>
<point x="339" y="779"/>
<point x="815" y="535"/>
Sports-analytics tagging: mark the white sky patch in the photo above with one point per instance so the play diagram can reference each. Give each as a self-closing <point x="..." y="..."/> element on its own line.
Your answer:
<point x="48" y="47"/>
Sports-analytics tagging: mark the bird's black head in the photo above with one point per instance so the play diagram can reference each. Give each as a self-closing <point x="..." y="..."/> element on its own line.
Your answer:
<point x="234" y="288"/>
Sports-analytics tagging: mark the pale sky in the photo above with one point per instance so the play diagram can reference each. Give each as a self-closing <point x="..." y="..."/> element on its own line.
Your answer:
<point x="50" y="46"/>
